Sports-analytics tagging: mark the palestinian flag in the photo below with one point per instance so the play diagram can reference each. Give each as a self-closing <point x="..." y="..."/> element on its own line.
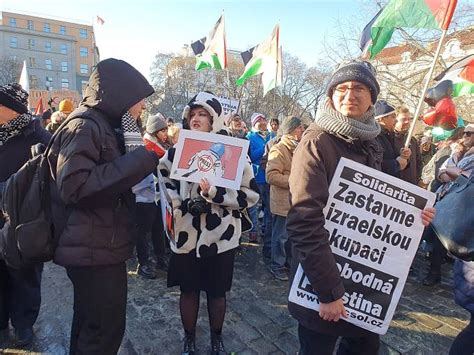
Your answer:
<point x="211" y="51"/>
<point x="430" y="14"/>
<point x="461" y="74"/>
<point x="264" y="59"/>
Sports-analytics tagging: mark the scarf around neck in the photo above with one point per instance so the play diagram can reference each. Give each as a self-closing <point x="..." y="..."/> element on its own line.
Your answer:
<point x="365" y="128"/>
<point x="131" y="133"/>
<point x="14" y="127"/>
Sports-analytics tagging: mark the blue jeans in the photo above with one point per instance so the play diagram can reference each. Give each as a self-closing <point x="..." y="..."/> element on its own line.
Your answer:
<point x="267" y="219"/>
<point x="279" y="239"/>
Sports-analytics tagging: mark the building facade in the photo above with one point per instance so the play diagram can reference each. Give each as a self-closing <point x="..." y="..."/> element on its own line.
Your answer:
<point x="59" y="55"/>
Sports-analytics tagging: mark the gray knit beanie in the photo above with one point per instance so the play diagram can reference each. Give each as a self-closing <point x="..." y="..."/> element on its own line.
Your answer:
<point x="155" y="123"/>
<point x="356" y="70"/>
<point x="290" y="124"/>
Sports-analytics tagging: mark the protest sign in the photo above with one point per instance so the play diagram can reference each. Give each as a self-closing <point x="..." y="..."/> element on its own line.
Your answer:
<point x="166" y="210"/>
<point x="220" y="159"/>
<point x="229" y="105"/>
<point x="374" y="225"/>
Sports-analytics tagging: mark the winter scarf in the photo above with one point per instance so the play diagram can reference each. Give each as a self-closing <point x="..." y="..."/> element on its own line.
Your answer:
<point x="14" y="127"/>
<point x="333" y="122"/>
<point x="131" y="133"/>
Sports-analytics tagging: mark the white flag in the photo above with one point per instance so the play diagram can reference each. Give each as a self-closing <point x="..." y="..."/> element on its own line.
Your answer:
<point x="24" y="82"/>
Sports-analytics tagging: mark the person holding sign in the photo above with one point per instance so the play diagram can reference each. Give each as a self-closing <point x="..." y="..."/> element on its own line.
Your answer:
<point x="344" y="127"/>
<point x="207" y="228"/>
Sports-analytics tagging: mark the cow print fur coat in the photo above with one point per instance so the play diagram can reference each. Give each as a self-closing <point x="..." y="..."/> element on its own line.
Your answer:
<point x="216" y="231"/>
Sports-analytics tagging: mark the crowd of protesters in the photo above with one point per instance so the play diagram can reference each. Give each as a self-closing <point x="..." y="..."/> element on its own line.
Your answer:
<point x="105" y="161"/>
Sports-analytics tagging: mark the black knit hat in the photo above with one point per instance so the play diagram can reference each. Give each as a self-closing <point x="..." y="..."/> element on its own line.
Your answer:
<point x="356" y="70"/>
<point x="14" y="97"/>
<point x="290" y="124"/>
<point x="383" y="108"/>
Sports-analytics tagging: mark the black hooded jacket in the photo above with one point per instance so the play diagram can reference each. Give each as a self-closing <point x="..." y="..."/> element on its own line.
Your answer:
<point x="91" y="177"/>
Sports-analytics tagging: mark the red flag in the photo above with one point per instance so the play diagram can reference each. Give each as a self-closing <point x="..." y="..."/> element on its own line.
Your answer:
<point x="39" y="107"/>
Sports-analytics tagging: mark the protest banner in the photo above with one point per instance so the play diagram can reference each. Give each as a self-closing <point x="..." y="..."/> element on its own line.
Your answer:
<point x="374" y="224"/>
<point x="167" y="214"/>
<point x="229" y="105"/>
<point x="220" y="159"/>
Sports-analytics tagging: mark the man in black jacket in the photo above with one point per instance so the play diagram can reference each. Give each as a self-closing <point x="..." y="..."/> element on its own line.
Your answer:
<point x="394" y="160"/>
<point x="92" y="178"/>
<point x="20" y="290"/>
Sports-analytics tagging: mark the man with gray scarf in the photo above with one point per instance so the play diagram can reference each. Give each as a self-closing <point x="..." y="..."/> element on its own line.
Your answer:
<point x="344" y="127"/>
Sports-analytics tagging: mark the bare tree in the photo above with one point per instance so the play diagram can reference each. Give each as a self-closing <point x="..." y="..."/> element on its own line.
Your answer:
<point x="9" y="70"/>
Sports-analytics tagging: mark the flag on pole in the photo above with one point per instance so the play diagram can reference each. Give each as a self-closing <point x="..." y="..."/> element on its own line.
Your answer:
<point x="264" y="59"/>
<point x="24" y="79"/>
<point x="99" y="20"/>
<point x="39" y="107"/>
<point x="430" y="14"/>
<point x="461" y="74"/>
<point x="211" y="51"/>
<point x="365" y="40"/>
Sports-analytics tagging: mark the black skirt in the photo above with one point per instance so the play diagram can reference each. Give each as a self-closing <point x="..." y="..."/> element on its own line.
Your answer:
<point x="212" y="274"/>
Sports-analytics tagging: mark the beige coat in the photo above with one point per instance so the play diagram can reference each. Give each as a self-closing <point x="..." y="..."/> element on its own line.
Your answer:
<point x="278" y="172"/>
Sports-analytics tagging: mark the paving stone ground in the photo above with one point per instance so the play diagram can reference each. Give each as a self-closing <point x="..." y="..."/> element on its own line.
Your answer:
<point x="257" y="320"/>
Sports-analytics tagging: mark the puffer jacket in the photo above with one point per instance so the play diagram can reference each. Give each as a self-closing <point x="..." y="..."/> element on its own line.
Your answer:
<point x="91" y="175"/>
<point x="219" y="229"/>
<point x="256" y="150"/>
<point x="278" y="172"/>
<point x="464" y="284"/>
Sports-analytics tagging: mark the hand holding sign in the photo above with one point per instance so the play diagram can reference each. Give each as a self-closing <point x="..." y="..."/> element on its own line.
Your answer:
<point x="332" y="311"/>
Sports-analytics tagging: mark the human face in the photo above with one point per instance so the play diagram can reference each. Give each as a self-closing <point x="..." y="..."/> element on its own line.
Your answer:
<point x="274" y="125"/>
<point x="403" y="122"/>
<point x="388" y="122"/>
<point x="261" y="124"/>
<point x="236" y="123"/>
<point x="137" y="109"/>
<point x="7" y="114"/>
<point x="352" y="99"/>
<point x="200" y="120"/>
<point x="468" y="139"/>
<point x="162" y="135"/>
<point x="298" y="133"/>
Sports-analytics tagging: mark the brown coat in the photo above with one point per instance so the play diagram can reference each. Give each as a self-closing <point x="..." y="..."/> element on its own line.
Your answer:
<point x="314" y="164"/>
<point x="277" y="173"/>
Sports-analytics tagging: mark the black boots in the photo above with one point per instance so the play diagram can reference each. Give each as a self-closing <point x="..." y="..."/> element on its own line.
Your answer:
<point x="189" y="344"/>
<point x="432" y="278"/>
<point x="217" y="346"/>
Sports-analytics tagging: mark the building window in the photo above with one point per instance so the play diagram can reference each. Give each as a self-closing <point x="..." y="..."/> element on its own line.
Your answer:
<point x="47" y="27"/>
<point x="12" y="22"/>
<point x="31" y="44"/>
<point x="62" y="30"/>
<point x="84" y="83"/>
<point x="64" y="83"/>
<point x="63" y="48"/>
<point x="32" y="61"/>
<point x="30" y="25"/>
<point x="33" y="81"/>
<point x="83" y="33"/>
<point x="47" y="46"/>
<point x="13" y="42"/>
<point x="49" y="82"/>
<point x="84" y="52"/>
<point x="84" y="69"/>
<point x="63" y="66"/>
<point x="49" y="64"/>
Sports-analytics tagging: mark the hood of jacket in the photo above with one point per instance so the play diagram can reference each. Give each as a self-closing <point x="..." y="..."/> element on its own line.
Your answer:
<point x="114" y="87"/>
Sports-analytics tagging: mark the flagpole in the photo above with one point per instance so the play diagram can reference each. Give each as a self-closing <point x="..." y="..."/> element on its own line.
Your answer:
<point x="425" y="88"/>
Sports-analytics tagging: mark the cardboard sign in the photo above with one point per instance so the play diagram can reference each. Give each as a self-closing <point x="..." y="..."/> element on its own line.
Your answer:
<point x="166" y="211"/>
<point x="374" y="225"/>
<point x="218" y="158"/>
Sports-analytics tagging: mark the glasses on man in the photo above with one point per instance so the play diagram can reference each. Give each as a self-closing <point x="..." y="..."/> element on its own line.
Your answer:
<point x="468" y="134"/>
<point x="357" y="90"/>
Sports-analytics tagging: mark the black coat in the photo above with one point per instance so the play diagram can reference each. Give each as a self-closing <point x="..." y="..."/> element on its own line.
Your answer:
<point x="390" y="164"/>
<point x="91" y="175"/>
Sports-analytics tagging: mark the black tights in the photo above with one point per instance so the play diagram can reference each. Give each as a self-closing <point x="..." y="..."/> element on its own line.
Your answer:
<point x="189" y="307"/>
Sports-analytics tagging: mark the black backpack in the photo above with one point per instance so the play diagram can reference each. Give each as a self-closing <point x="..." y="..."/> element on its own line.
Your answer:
<point x="28" y="235"/>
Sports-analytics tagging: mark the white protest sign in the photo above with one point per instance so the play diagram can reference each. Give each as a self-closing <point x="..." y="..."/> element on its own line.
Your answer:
<point x="374" y="225"/>
<point x="167" y="213"/>
<point x="229" y="105"/>
<point x="220" y="159"/>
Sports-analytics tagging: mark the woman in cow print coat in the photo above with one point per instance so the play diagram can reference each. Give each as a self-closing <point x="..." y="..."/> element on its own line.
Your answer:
<point x="208" y="231"/>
